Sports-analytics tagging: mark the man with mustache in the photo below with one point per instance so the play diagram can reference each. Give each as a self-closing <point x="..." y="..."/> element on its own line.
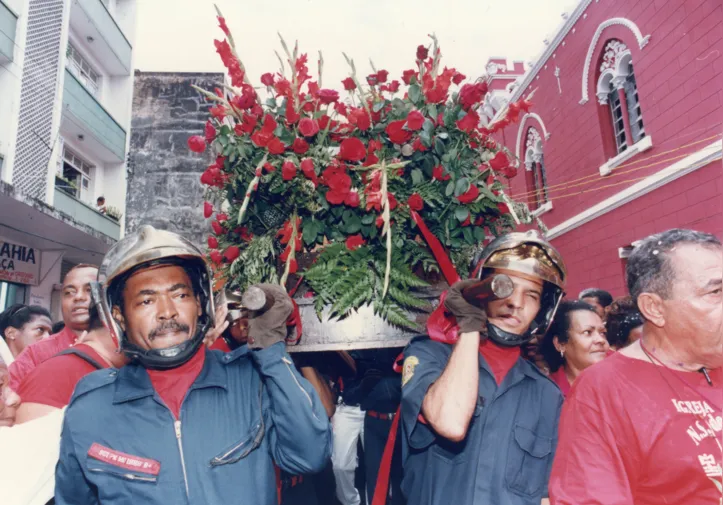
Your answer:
<point x="75" y="303"/>
<point x="480" y="422"/>
<point x="180" y="423"/>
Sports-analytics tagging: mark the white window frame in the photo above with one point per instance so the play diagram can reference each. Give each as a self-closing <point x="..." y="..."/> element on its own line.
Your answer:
<point x="83" y="70"/>
<point x="86" y="171"/>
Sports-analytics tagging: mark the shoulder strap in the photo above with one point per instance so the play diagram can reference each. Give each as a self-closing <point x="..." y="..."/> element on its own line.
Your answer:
<point x="81" y="355"/>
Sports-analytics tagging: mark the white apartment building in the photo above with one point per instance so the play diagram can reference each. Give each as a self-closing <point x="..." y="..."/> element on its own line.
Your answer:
<point x="66" y="90"/>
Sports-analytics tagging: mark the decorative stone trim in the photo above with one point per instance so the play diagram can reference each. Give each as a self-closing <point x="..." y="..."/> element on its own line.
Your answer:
<point x="642" y="42"/>
<point x="640" y="146"/>
<point x="522" y="129"/>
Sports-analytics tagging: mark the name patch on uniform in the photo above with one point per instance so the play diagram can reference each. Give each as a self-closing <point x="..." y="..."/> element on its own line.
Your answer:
<point x="410" y="364"/>
<point x="123" y="460"/>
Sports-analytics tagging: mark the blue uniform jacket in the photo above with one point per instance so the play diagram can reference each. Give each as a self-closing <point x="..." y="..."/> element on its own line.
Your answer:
<point x="246" y="411"/>
<point x="507" y="454"/>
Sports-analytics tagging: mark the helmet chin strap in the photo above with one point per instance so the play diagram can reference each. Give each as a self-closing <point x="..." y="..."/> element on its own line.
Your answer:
<point x="168" y="357"/>
<point x="507" y="339"/>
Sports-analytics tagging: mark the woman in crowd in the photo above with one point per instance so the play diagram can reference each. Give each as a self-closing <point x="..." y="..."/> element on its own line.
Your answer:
<point x="22" y="325"/>
<point x="575" y="340"/>
<point x="624" y="323"/>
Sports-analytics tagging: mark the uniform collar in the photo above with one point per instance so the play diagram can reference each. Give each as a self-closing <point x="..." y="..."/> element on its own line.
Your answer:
<point x="134" y="383"/>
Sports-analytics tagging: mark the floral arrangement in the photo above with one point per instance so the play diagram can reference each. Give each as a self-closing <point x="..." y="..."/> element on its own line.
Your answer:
<point x="377" y="181"/>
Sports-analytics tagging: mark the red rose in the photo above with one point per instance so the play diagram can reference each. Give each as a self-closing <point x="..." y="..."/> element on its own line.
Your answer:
<point x="197" y="144"/>
<point x="231" y="253"/>
<point x="221" y="217"/>
<point x="396" y="132"/>
<point x="467" y="222"/>
<point x="247" y="126"/>
<point x="209" y="132"/>
<point x="288" y="170"/>
<point x="352" y="149"/>
<point x="324" y="122"/>
<point x="307" y="167"/>
<point x="300" y="146"/>
<point x="308" y="127"/>
<point x="207" y="210"/>
<point x="269" y="167"/>
<point x="354" y="242"/>
<point x="422" y="52"/>
<point x="382" y="76"/>
<point x="275" y="146"/>
<point x="261" y="139"/>
<point x="374" y="145"/>
<point x="458" y="78"/>
<point x="469" y="122"/>
<point x="472" y="94"/>
<point x="352" y="199"/>
<point x="503" y="208"/>
<point x="499" y="162"/>
<point x="212" y="242"/>
<point x="217" y="228"/>
<point x="267" y="79"/>
<point x="360" y="118"/>
<point x="372" y="79"/>
<point x="216" y="257"/>
<point x="379" y="221"/>
<point x="327" y="96"/>
<point x="470" y="196"/>
<point x="349" y="84"/>
<point x="407" y="76"/>
<point x="418" y="146"/>
<point x="415" y="120"/>
<point x="393" y="86"/>
<point x="415" y="202"/>
<point x="438" y="173"/>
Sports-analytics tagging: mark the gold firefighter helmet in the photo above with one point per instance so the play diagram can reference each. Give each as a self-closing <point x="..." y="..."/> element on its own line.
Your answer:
<point x="528" y="255"/>
<point x="146" y="248"/>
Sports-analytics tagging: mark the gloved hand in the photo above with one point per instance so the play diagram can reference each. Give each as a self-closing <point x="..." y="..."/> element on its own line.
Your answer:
<point x="469" y="317"/>
<point x="268" y="327"/>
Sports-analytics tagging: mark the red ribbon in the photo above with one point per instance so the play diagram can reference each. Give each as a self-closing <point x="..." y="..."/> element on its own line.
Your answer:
<point x="381" y="490"/>
<point x="445" y="264"/>
<point x="440" y="326"/>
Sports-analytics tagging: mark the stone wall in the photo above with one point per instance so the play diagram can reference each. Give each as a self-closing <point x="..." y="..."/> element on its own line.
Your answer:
<point x="164" y="189"/>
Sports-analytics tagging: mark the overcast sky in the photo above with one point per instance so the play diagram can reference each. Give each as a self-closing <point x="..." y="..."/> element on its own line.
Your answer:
<point x="177" y="35"/>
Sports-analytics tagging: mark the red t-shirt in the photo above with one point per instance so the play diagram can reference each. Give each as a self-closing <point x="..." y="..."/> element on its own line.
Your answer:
<point x="634" y="432"/>
<point x="53" y="381"/>
<point x="560" y="378"/>
<point x="37" y="353"/>
<point x="172" y="385"/>
<point x="500" y="359"/>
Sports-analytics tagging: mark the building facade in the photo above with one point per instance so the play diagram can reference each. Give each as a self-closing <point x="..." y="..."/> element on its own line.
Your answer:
<point x="164" y="185"/>
<point x="66" y="83"/>
<point x="624" y="138"/>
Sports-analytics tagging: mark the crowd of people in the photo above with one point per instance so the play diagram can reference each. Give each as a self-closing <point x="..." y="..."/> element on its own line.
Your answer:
<point x="166" y="395"/>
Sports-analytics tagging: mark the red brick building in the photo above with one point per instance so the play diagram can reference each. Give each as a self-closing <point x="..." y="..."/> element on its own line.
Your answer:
<point x="624" y="138"/>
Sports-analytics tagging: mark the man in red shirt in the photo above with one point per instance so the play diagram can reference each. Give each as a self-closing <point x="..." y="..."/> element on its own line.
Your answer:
<point x="75" y="304"/>
<point x="50" y="385"/>
<point x="644" y="425"/>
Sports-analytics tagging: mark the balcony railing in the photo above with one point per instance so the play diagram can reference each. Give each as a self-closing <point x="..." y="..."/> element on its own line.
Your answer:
<point x="86" y="214"/>
<point x="8" y="24"/>
<point x="90" y="116"/>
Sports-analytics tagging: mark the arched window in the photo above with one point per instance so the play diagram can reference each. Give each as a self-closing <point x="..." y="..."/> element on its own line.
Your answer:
<point x="535" y="170"/>
<point x="616" y="87"/>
